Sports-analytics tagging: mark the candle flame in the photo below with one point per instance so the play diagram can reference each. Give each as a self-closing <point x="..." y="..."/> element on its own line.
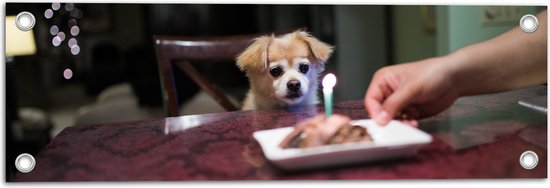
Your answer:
<point x="329" y="81"/>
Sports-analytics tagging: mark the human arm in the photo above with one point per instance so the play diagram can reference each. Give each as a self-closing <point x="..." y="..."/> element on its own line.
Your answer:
<point x="511" y="60"/>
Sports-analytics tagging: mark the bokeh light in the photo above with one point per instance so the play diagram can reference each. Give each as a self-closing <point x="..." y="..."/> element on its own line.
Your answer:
<point x="56" y="41"/>
<point x="61" y="35"/>
<point x="72" y="42"/>
<point x="75" y="49"/>
<point x="54" y="30"/>
<point x="72" y="22"/>
<point x="75" y="30"/>
<point x="72" y="13"/>
<point x="68" y="74"/>
<point x="56" y="6"/>
<point x="48" y="13"/>
<point x="69" y="7"/>
<point x="76" y="13"/>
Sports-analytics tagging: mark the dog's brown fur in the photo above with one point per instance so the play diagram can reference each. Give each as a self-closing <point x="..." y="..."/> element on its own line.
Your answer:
<point x="255" y="61"/>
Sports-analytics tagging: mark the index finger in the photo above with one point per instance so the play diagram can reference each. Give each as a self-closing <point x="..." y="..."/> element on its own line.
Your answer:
<point x="374" y="98"/>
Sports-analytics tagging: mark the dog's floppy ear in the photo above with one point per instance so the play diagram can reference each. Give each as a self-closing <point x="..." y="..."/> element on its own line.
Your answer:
<point x="255" y="56"/>
<point x="320" y="50"/>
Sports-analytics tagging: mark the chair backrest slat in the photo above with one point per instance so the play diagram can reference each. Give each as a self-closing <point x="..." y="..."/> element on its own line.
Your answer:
<point x="176" y="49"/>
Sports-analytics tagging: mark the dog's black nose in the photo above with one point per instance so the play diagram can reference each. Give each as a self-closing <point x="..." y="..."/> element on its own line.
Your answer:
<point x="293" y="85"/>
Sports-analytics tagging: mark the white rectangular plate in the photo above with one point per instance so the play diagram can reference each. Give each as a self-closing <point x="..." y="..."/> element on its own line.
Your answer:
<point x="393" y="140"/>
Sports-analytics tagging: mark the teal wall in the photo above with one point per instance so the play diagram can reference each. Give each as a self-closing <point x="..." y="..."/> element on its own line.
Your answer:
<point x="412" y="40"/>
<point x="361" y="48"/>
<point x="459" y="26"/>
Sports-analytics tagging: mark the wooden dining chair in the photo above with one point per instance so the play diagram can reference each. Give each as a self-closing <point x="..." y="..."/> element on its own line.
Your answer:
<point x="182" y="51"/>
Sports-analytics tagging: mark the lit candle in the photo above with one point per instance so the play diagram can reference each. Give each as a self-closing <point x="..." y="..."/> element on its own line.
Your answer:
<point x="328" y="83"/>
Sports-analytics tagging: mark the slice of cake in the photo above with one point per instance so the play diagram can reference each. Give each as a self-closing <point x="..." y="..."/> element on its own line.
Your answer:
<point x="319" y="130"/>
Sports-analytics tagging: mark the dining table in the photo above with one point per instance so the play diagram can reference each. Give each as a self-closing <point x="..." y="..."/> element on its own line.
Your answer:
<point x="477" y="137"/>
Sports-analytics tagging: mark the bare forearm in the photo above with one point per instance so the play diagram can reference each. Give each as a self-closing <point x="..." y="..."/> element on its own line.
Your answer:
<point x="512" y="60"/>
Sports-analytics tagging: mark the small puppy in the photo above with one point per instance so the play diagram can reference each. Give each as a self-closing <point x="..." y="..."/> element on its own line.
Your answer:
<point x="283" y="71"/>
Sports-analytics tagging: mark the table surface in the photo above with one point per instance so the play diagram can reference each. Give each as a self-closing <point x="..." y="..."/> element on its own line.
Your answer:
<point x="478" y="137"/>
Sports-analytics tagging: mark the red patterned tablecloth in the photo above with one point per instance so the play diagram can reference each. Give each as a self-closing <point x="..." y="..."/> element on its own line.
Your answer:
<point x="478" y="137"/>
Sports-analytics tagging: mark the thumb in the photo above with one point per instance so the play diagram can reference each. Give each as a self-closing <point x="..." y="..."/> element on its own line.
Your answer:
<point x="400" y="99"/>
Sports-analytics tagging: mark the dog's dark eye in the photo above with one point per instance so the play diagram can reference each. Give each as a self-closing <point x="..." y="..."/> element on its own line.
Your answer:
<point x="304" y="68"/>
<point x="276" y="71"/>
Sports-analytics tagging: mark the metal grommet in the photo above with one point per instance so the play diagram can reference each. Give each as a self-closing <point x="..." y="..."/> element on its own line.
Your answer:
<point x="25" y="163"/>
<point x="25" y="21"/>
<point x="528" y="23"/>
<point x="528" y="160"/>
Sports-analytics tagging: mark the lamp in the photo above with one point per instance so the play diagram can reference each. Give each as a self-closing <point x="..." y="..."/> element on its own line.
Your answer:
<point x="27" y="129"/>
<point x="18" y="42"/>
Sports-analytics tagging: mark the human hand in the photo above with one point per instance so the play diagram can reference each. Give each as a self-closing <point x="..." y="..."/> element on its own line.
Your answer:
<point x="411" y="91"/>
<point x="427" y="87"/>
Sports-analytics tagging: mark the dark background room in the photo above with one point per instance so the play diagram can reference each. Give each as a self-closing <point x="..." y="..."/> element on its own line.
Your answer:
<point x="114" y="75"/>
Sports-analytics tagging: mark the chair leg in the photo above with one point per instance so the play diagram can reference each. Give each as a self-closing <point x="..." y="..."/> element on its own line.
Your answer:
<point x="169" y="96"/>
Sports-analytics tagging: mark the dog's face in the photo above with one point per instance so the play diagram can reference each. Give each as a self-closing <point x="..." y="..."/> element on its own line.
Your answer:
<point x="285" y="68"/>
